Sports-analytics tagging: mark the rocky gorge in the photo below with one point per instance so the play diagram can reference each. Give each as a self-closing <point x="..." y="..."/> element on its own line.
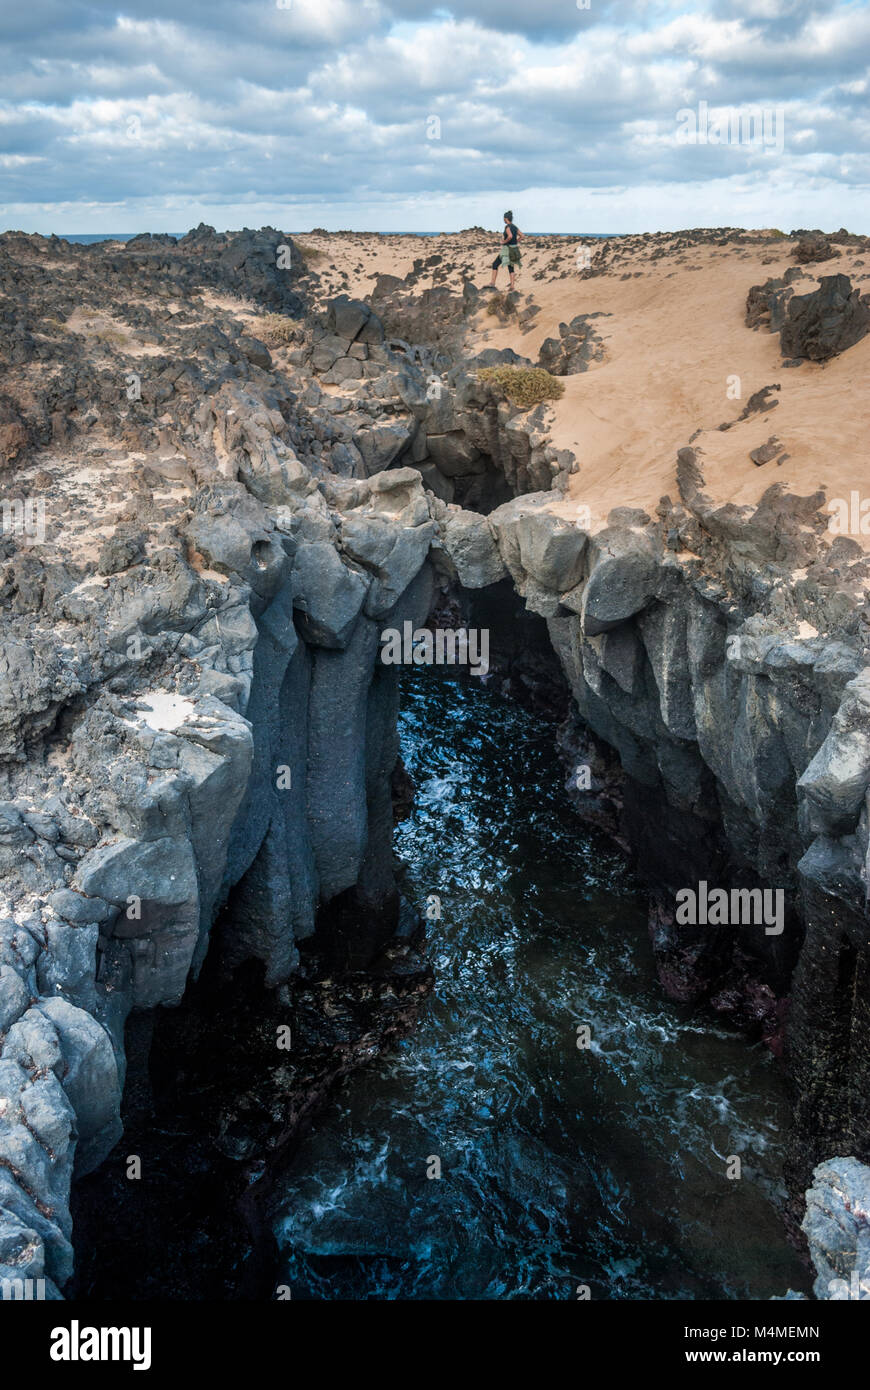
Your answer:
<point x="221" y="481"/>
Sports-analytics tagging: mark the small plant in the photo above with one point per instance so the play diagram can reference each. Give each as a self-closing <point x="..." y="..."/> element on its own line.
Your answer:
<point x="310" y="254"/>
<point x="274" y="329"/>
<point x="525" y="386"/>
<point x="499" y="304"/>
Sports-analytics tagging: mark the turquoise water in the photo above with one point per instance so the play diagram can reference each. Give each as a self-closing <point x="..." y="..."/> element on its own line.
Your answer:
<point x="560" y="1167"/>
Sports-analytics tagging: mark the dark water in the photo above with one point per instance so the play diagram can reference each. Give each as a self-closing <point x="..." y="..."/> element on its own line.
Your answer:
<point x="559" y="1166"/>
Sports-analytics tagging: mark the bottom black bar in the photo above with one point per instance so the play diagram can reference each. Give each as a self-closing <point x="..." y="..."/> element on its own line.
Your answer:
<point x="219" y="1340"/>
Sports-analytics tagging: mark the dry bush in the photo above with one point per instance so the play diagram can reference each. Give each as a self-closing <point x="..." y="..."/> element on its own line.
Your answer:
<point x="525" y="386"/>
<point x="310" y="254"/>
<point x="499" y="304"/>
<point x="275" y="329"/>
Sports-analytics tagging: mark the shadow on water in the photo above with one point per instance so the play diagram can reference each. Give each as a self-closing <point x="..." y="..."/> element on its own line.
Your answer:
<point x="559" y="1165"/>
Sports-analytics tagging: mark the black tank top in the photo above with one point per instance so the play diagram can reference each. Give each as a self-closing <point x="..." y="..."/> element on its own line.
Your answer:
<point x="512" y="230"/>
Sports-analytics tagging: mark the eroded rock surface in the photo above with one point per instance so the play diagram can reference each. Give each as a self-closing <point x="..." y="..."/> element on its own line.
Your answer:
<point x="232" y="507"/>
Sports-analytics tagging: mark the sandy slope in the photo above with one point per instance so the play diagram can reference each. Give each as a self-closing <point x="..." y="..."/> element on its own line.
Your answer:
<point x="675" y="335"/>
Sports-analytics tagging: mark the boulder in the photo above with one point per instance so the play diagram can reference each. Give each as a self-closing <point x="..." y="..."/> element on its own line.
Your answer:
<point x="837" y="1228"/>
<point x="381" y="444"/>
<point x="120" y="551"/>
<point x="810" y="249"/>
<point x="577" y="345"/>
<point x="155" y="882"/>
<point x="80" y="910"/>
<point x="222" y="540"/>
<point x="69" y="964"/>
<point x="273" y="474"/>
<point x="328" y="596"/>
<point x="398" y="494"/>
<point x="622" y="580"/>
<point x="836" y="781"/>
<point x="500" y="357"/>
<point x="828" y="321"/>
<point x="327" y="350"/>
<point x="256" y="352"/>
<point x="537" y="543"/>
<point x="352" y="319"/>
<point x="454" y="454"/>
<point x="393" y="554"/>
<point x="14" y="997"/>
<point x="435" y="481"/>
<point x="551" y="550"/>
<point x="91" y="1081"/>
<point x="767" y="304"/>
<point x="342" y="370"/>
<point x="470" y="541"/>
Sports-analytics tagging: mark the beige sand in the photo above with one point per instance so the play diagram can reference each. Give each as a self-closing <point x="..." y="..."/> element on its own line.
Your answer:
<point x="675" y="337"/>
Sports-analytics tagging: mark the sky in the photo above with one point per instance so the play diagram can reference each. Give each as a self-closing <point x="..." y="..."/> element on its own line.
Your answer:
<point x="403" y="115"/>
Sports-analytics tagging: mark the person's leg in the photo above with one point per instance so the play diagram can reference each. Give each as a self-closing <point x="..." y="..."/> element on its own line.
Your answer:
<point x="495" y="265"/>
<point x="513" y="281"/>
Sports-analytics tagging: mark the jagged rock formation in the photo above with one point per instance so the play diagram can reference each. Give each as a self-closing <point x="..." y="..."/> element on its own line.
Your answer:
<point x="830" y="320"/>
<point x="419" y="405"/>
<point x="193" y="713"/>
<point x="741" y="732"/>
<point x="837" y="1230"/>
<point x="837" y="1227"/>
<point x="577" y="345"/>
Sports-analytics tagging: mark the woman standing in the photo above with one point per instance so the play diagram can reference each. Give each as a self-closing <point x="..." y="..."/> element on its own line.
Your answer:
<point x="509" y="254"/>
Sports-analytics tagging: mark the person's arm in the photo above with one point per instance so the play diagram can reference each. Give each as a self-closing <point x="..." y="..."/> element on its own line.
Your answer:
<point x="520" y="235"/>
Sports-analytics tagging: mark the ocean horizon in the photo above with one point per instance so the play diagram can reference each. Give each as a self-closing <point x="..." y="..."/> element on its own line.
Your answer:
<point x="90" y="238"/>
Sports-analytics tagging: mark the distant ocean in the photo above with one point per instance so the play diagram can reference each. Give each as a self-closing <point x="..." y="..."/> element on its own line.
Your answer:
<point x="88" y="238"/>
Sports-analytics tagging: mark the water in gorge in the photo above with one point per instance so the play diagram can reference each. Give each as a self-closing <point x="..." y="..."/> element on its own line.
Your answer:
<point x="560" y="1166"/>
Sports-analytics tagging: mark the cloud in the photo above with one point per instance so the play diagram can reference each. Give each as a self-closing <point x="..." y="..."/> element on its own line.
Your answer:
<point x="332" y="104"/>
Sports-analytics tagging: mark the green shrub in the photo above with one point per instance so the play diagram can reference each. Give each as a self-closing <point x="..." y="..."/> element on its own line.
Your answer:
<point x="525" y="386"/>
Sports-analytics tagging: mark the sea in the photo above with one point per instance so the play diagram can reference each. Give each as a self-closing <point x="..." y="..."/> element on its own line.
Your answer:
<point x="88" y="238"/>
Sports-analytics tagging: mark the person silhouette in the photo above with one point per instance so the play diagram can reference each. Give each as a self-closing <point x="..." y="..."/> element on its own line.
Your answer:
<point x="509" y="254"/>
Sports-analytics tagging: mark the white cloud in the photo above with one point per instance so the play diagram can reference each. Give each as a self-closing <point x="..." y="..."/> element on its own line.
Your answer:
<point x="333" y="96"/>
